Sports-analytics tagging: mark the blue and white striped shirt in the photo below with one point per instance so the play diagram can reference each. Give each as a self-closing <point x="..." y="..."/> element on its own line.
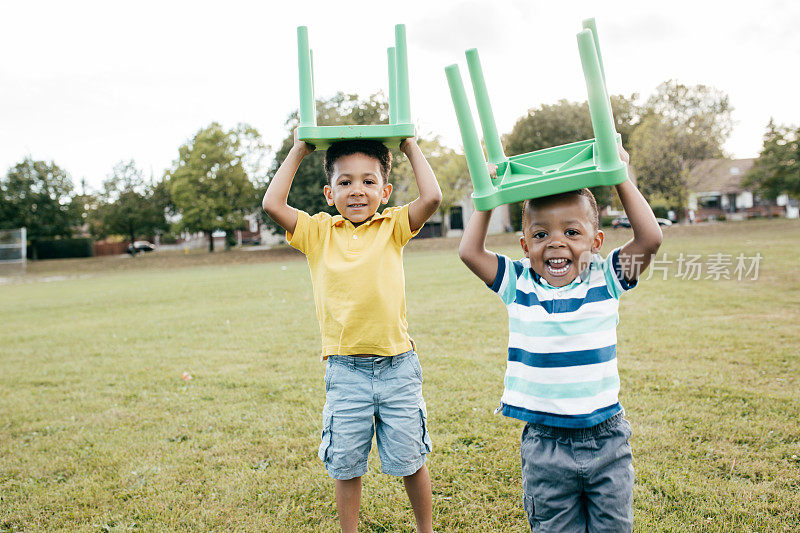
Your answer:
<point x="562" y="343"/>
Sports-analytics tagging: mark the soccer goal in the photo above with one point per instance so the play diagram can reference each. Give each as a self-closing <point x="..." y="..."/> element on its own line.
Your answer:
<point x="13" y="251"/>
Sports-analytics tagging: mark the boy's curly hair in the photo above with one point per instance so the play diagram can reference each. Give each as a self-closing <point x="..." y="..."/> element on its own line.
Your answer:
<point x="368" y="147"/>
<point x="532" y="203"/>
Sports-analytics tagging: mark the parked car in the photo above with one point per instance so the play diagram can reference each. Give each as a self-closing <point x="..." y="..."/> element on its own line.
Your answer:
<point x="623" y="222"/>
<point x="140" y="246"/>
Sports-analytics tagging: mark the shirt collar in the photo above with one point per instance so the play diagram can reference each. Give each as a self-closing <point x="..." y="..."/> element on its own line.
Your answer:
<point x="338" y="220"/>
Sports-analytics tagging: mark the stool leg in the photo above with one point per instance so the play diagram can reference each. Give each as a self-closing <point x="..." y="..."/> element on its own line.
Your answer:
<point x="589" y="24"/>
<point x="494" y="147"/>
<point x="605" y="135"/>
<point x="401" y="56"/>
<point x="476" y="163"/>
<point x="392" y="85"/>
<point x="307" y="116"/>
<point x="313" y="96"/>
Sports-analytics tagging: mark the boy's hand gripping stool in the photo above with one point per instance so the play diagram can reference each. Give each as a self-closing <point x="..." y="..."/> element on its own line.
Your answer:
<point x="400" y="126"/>
<point x="544" y="172"/>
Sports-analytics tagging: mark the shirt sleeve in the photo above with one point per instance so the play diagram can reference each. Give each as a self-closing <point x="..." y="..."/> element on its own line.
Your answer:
<point x="306" y="232"/>
<point x="402" y="227"/>
<point x="617" y="284"/>
<point x="505" y="281"/>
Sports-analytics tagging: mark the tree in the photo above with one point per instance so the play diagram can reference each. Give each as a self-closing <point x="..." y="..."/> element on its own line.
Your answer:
<point x="777" y="169"/>
<point x="128" y="205"/>
<point x="566" y="122"/>
<point x="655" y="154"/>
<point x="86" y="205"/>
<point x="306" y="191"/>
<point x="449" y="167"/>
<point x="702" y="114"/>
<point x="38" y="196"/>
<point x="680" y="126"/>
<point x="208" y="183"/>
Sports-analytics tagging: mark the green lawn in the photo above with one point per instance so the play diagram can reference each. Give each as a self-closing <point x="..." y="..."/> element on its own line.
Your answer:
<point x="99" y="432"/>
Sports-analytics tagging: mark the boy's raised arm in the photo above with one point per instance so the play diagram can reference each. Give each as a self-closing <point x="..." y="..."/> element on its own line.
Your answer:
<point x="274" y="202"/>
<point x="636" y="254"/>
<point x="472" y="249"/>
<point x="430" y="195"/>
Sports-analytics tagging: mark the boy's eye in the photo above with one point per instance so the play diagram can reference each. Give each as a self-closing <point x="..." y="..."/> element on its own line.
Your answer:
<point x="344" y="183"/>
<point x="540" y="235"/>
<point x="572" y="233"/>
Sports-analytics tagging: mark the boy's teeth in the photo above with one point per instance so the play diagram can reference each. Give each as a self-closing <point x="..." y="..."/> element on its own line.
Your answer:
<point x="558" y="266"/>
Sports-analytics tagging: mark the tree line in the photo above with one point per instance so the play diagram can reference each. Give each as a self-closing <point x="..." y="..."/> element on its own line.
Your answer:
<point x="210" y="186"/>
<point x="220" y="175"/>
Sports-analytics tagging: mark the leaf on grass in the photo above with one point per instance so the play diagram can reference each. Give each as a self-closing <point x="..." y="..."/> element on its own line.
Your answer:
<point x="261" y="465"/>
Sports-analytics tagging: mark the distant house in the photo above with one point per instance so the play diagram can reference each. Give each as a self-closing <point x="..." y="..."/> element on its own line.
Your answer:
<point x="459" y="214"/>
<point x="716" y="192"/>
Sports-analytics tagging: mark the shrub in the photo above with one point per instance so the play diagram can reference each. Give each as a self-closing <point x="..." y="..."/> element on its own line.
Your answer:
<point x="61" y="248"/>
<point x="660" y="211"/>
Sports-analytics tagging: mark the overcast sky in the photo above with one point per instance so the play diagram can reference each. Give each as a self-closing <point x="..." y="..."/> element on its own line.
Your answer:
<point x="88" y="84"/>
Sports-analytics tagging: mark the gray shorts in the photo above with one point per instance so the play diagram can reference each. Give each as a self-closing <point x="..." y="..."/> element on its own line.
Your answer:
<point x="578" y="479"/>
<point x="373" y="395"/>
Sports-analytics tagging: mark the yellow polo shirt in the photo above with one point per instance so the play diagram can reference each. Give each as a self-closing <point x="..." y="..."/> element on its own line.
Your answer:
<point x="359" y="285"/>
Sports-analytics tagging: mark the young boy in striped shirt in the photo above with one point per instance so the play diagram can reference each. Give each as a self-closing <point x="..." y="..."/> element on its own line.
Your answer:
<point x="561" y="376"/>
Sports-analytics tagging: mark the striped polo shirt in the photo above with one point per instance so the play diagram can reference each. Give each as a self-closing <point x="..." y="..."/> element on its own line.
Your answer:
<point x="562" y="343"/>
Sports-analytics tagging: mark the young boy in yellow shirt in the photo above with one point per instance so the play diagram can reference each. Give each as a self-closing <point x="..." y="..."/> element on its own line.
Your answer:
<point x="373" y="379"/>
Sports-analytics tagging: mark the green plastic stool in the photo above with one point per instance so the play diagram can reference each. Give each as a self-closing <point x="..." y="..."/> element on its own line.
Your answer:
<point x="400" y="126"/>
<point x="544" y="172"/>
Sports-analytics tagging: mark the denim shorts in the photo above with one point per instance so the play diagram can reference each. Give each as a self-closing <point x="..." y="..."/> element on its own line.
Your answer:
<point x="369" y="395"/>
<point x="578" y="479"/>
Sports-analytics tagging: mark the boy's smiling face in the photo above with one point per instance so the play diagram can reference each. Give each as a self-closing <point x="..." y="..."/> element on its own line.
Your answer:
<point x="357" y="187"/>
<point x="559" y="238"/>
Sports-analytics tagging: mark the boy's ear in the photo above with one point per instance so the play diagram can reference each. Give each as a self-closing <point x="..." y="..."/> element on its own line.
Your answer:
<point x="328" y="192"/>
<point x="524" y="244"/>
<point x="598" y="241"/>
<point x="385" y="193"/>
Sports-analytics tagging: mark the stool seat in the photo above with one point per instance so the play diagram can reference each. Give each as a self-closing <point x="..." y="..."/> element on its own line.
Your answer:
<point x="549" y="171"/>
<point x="323" y="136"/>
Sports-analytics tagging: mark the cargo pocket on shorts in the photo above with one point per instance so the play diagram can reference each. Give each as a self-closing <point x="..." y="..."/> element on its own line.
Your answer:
<point x="426" y="438"/>
<point x="530" y="510"/>
<point x="328" y="375"/>
<point x="417" y="367"/>
<point x="325" y="445"/>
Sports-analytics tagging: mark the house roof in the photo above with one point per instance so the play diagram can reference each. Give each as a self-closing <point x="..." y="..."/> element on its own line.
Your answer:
<point x="718" y="175"/>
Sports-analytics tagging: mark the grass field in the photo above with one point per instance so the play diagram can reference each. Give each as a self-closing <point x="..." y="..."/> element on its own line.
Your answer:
<point x="99" y="432"/>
